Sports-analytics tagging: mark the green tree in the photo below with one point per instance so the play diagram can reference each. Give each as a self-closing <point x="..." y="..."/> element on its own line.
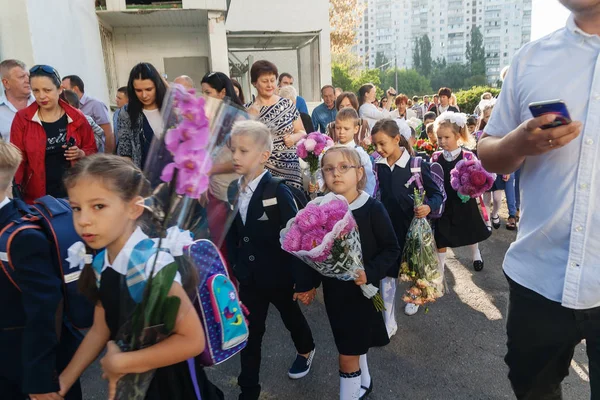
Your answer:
<point x="410" y="82"/>
<point x="469" y="99"/>
<point x="476" y="53"/>
<point x="426" y="62"/>
<point x="381" y="60"/>
<point x="417" y="56"/>
<point x="340" y="76"/>
<point x="451" y="75"/>
<point x="367" y="76"/>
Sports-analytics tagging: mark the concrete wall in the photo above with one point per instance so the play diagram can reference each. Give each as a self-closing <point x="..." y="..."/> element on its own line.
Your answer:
<point x="153" y="45"/>
<point x="60" y="33"/>
<point x="284" y="16"/>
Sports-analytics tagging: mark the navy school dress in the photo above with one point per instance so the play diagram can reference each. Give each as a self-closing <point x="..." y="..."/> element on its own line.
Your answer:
<point x="399" y="200"/>
<point x="173" y="382"/>
<point x="461" y="224"/>
<point x="355" y="322"/>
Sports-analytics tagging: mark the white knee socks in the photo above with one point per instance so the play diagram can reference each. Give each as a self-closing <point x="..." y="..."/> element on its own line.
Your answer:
<point x="442" y="262"/>
<point x="497" y="202"/>
<point x="388" y="293"/>
<point x="350" y="385"/>
<point x="475" y="252"/>
<point x="365" y="376"/>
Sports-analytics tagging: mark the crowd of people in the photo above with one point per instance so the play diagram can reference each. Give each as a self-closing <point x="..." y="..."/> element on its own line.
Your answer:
<point x="62" y="142"/>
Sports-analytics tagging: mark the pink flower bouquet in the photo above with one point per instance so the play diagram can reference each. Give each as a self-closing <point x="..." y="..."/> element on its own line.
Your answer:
<point x="309" y="149"/>
<point x="325" y="236"/>
<point x="470" y="180"/>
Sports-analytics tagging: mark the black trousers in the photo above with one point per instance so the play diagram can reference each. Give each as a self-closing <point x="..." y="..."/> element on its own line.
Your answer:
<point x="542" y="335"/>
<point x="257" y="301"/>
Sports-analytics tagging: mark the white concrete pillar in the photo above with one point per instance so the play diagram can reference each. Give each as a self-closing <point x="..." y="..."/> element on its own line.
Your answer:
<point x="217" y="40"/>
<point x="72" y="46"/>
<point x="15" y="40"/>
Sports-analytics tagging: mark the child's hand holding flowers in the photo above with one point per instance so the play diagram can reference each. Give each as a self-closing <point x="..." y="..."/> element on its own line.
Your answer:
<point x="422" y="211"/>
<point x="361" y="279"/>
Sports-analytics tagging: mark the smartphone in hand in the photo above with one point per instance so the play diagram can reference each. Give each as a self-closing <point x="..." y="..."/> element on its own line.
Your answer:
<point x="71" y="143"/>
<point x="556" y="107"/>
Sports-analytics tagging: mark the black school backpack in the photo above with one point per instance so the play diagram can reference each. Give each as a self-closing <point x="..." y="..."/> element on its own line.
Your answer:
<point x="269" y="198"/>
<point x="54" y="218"/>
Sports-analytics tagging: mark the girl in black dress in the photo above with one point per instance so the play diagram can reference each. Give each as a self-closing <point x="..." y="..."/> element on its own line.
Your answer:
<point x="106" y="193"/>
<point x="393" y="173"/>
<point x="461" y="224"/>
<point x="355" y="322"/>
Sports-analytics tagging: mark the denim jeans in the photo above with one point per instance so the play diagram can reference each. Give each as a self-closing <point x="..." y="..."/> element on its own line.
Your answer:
<point x="518" y="189"/>
<point x="511" y="196"/>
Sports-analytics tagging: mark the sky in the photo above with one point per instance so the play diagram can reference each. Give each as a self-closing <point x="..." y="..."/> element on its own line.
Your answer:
<point x="547" y="16"/>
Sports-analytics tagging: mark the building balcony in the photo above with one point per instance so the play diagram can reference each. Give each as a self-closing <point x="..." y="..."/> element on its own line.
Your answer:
<point x="157" y="5"/>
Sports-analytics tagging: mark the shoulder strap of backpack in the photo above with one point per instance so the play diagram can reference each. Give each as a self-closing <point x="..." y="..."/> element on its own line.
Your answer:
<point x="436" y="156"/>
<point x="270" y="200"/>
<point x="467" y="155"/>
<point x="6" y="237"/>
<point x="415" y="170"/>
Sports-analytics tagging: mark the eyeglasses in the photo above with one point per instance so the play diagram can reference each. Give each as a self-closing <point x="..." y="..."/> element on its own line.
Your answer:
<point x="45" y="69"/>
<point x="342" y="169"/>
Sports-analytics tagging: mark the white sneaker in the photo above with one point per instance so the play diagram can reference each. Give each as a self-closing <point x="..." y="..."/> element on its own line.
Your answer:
<point x="392" y="332"/>
<point x="411" y="309"/>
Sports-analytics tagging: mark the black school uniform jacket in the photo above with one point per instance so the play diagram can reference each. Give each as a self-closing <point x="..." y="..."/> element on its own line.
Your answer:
<point x="399" y="200"/>
<point x="378" y="242"/>
<point x="32" y="354"/>
<point x="254" y="249"/>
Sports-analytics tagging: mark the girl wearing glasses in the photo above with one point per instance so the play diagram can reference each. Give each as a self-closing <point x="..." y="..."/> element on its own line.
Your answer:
<point x="51" y="135"/>
<point x="394" y="172"/>
<point x="355" y="322"/>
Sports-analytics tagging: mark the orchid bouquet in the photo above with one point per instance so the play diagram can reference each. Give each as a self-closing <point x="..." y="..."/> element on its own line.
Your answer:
<point x="470" y="179"/>
<point x="419" y="261"/>
<point x="177" y="167"/>
<point x="325" y="236"/>
<point x="309" y="149"/>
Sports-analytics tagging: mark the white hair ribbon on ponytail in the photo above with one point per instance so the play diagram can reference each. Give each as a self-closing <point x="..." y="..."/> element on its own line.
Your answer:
<point x="459" y="119"/>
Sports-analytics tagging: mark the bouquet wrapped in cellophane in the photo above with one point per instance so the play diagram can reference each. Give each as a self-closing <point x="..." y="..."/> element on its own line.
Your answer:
<point x="420" y="264"/>
<point x="178" y="168"/>
<point x="325" y="236"/>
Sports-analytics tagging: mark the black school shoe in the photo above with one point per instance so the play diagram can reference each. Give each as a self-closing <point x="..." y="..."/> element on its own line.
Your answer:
<point x="367" y="390"/>
<point x="478" y="265"/>
<point x="301" y="366"/>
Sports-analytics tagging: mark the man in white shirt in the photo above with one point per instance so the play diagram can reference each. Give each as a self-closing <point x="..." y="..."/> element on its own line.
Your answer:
<point x="553" y="268"/>
<point x="15" y="93"/>
<point x="92" y="107"/>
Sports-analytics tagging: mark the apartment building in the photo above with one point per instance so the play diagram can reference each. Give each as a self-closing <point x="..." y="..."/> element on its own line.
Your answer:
<point x="391" y="27"/>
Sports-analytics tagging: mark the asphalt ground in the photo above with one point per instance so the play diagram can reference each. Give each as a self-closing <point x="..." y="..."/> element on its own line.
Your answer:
<point x="454" y="351"/>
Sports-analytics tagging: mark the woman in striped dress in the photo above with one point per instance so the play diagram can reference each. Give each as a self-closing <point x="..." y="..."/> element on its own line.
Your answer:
<point x="281" y="116"/>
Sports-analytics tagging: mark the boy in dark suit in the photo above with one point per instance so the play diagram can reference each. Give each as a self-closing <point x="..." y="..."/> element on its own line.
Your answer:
<point x="266" y="273"/>
<point x="35" y="342"/>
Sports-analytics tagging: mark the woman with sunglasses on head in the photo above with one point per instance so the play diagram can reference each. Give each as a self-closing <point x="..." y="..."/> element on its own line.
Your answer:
<point x="51" y="135"/>
<point x="142" y="119"/>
